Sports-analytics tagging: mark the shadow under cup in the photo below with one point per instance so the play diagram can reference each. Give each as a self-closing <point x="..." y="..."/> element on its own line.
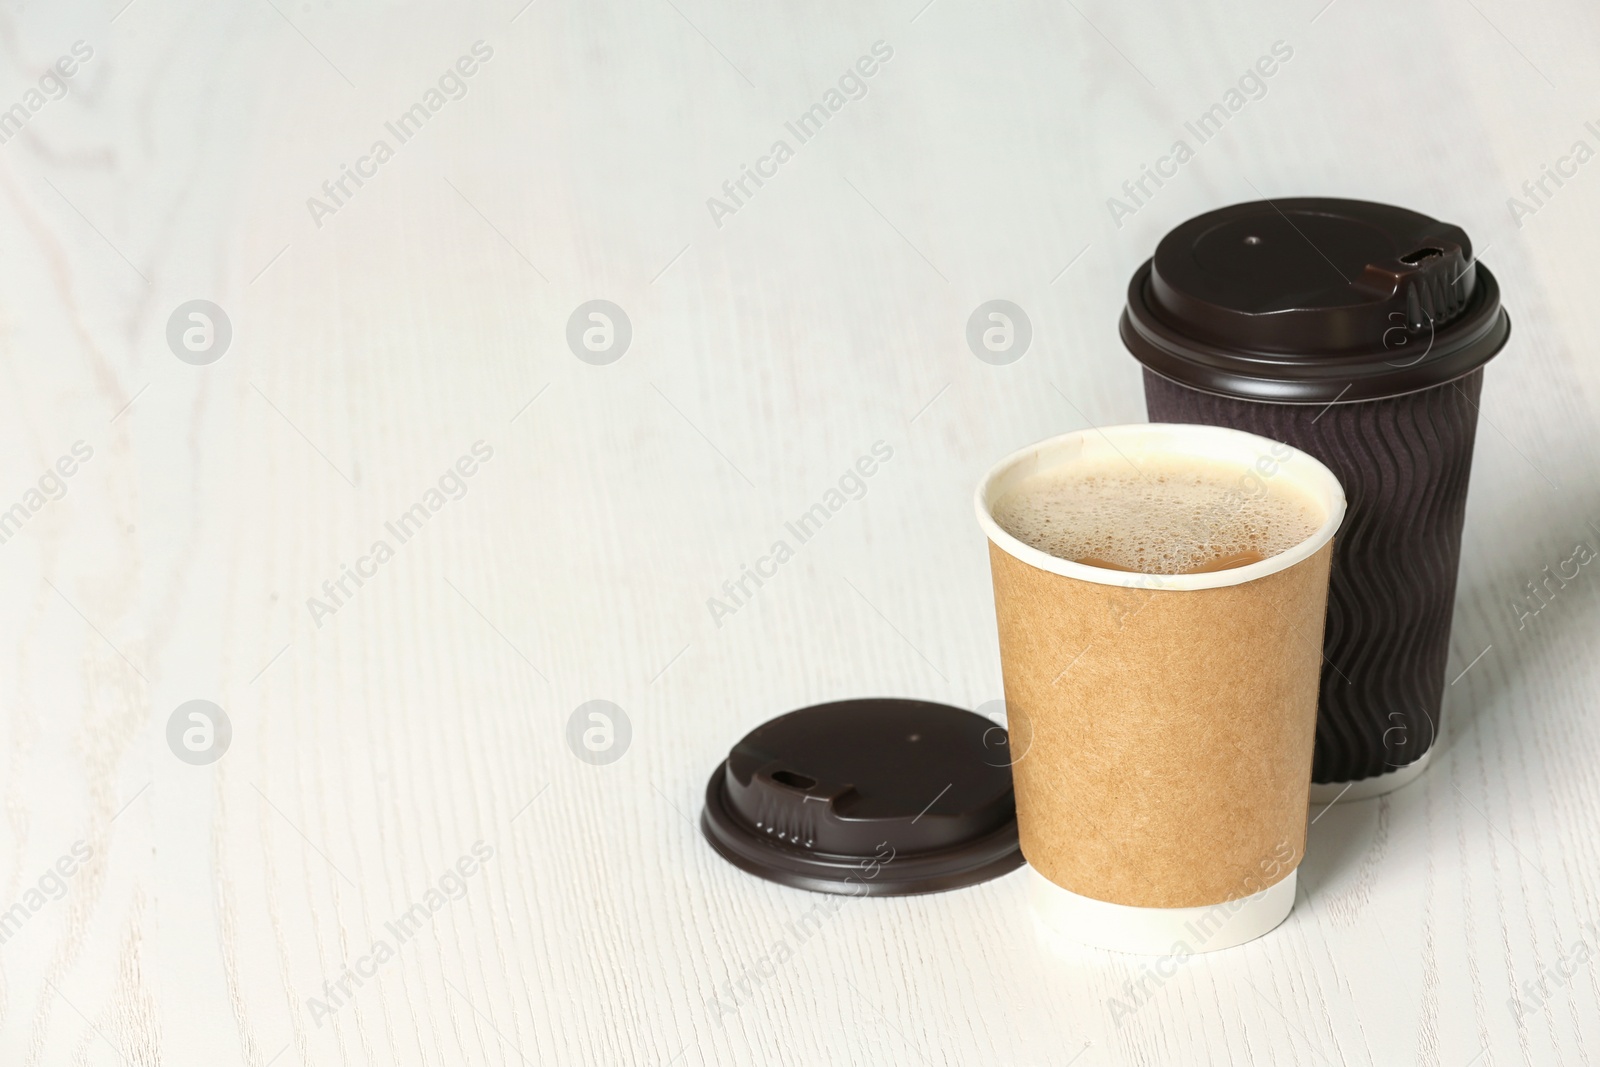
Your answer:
<point x="1161" y="726"/>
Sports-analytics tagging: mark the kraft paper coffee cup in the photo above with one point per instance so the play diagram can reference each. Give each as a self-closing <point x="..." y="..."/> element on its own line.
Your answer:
<point x="1161" y="726"/>
<point x="1358" y="332"/>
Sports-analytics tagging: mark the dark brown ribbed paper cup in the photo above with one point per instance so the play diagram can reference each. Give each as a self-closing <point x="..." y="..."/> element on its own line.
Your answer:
<point x="1356" y="332"/>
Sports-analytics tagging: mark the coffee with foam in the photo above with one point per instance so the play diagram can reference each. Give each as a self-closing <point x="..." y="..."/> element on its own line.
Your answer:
<point x="1170" y="515"/>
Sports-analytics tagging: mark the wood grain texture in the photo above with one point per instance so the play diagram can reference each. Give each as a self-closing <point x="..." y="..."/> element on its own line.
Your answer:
<point x="1452" y="923"/>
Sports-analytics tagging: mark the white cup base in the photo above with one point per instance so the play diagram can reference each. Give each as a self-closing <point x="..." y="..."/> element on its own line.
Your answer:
<point x="1159" y="931"/>
<point x="1367" y="788"/>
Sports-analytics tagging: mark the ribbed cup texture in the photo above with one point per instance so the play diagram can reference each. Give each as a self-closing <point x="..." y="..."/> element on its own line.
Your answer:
<point x="1404" y="462"/>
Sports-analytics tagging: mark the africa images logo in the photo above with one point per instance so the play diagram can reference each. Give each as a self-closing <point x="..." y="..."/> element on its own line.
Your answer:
<point x="451" y="85"/>
<point x="852" y="85"/>
<point x="53" y="85"/>
<point x="852" y="485"/>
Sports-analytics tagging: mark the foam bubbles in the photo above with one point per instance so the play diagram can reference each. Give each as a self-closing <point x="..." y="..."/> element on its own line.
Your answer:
<point x="1174" y="516"/>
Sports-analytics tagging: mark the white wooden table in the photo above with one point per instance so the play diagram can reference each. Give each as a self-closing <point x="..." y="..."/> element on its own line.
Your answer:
<point x="210" y="911"/>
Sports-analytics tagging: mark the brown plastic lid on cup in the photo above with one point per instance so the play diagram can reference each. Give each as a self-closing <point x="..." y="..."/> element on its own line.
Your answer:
<point x="1311" y="300"/>
<point x="874" y="797"/>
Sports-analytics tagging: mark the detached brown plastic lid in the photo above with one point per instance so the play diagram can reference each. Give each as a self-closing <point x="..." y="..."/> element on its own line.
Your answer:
<point x="1312" y="300"/>
<point x="878" y="797"/>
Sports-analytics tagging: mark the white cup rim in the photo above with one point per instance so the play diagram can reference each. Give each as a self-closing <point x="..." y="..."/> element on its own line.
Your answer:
<point x="1218" y="443"/>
